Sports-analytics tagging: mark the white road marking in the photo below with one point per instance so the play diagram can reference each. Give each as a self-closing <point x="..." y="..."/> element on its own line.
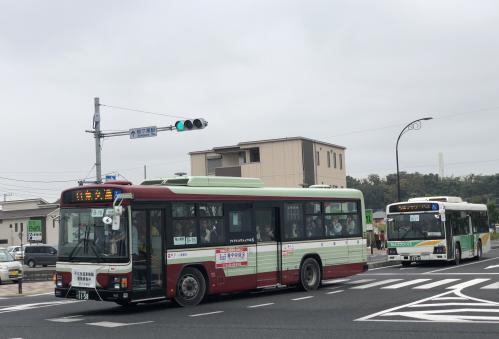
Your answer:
<point x="69" y="319"/>
<point x="491" y="266"/>
<point x="32" y="306"/>
<point x="406" y="313"/>
<point x="435" y="284"/>
<point x="467" y="284"/>
<point x="261" y="305"/>
<point x="493" y="286"/>
<point x="202" y="314"/>
<point x="333" y="292"/>
<point x="405" y="283"/>
<point x="39" y="294"/>
<point x="376" y="283"/>
<point x="360" y="281"/>
<point x="333" y="281"/>
<point x="303" y="298"/>
<point x="111" y="324"/>
<point x="382" y="268"/>
<point x="458" y="266"/>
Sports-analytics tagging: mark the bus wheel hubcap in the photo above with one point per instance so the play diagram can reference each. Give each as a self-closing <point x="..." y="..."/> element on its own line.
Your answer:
<point x="189" y="287"/>
<point x="310" y="275"/>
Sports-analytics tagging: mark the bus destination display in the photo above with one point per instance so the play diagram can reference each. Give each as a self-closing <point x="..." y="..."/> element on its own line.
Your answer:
<point x="91" y="195"/>
<point x="415" y="207"/>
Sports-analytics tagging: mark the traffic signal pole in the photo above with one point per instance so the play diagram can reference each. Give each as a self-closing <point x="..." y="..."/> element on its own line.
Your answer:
<point x="180" y="126"/>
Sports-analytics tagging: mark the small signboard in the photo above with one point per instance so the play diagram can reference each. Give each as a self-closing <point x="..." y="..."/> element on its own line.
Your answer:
<point x="369" y="219"/>
<point x="34" y="230"/>
<point x="143" y="132"/>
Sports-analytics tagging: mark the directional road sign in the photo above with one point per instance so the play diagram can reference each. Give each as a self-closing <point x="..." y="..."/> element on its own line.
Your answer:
<point x="143" y="132"/>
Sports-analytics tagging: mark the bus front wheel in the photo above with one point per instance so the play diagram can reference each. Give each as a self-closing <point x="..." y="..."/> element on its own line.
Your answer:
<point x="310" y="274"/>
<point x="191" y="287"/>
<point x="457" y="255"/>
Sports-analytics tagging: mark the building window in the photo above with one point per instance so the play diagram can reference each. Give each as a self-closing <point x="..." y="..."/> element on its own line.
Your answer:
<point x="318" y="158"/>
<point x="334" y="159"/>
<point x="242" y="157"/>
<point x="15" y="225"/>
<point x="254" y="155"/>
<point x="328" y="159"/>
<point x="341" y="161"/>
<point x="212" y="164"/>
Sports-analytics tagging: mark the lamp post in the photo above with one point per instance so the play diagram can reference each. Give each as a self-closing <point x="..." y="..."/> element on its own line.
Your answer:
<point x="414" y="125"/>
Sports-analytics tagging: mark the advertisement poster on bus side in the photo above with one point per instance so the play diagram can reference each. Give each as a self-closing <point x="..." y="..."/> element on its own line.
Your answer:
<point x="231" y="257"/>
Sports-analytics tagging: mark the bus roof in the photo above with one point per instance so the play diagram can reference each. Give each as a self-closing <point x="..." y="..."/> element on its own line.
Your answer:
<point x="220" y="188"/>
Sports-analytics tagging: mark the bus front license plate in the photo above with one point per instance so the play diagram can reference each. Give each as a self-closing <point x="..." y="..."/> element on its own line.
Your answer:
<point x="82" y="295"/>
<point x="416" y="258"/>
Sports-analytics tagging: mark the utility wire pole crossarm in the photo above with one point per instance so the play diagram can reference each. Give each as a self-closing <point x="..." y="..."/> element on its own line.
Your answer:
<point x="180" y="126"/>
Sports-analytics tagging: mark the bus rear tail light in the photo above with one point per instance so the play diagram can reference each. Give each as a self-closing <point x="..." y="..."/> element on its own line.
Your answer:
<point x="439" y="250"/>
<point x="392" y="251"/>
<point x="58" y="280"/>
<point x="119" y="283"/>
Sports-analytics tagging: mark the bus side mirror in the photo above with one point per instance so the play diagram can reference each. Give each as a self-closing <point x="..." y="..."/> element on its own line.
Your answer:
<point x="118" y="211"/>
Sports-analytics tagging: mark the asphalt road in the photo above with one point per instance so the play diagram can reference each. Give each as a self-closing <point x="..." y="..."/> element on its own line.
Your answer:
<point x="423" y="301"/>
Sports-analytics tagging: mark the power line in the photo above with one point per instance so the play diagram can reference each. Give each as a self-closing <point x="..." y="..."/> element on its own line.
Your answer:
<point x="146" y="112"/>
<point x="42" y="181"/>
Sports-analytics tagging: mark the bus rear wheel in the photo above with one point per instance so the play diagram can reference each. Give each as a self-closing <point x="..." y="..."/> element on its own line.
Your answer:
<point x="191" y="287"/>
<point x="457" y="255"/>
<point x="479" y="251"/>
<point x="310" y="275"/>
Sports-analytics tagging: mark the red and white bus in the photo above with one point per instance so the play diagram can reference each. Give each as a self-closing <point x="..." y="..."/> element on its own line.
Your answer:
<point x="188" y="237"/>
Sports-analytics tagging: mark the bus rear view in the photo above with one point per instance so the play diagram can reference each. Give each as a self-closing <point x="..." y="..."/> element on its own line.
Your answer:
<point x="436" y="229"/>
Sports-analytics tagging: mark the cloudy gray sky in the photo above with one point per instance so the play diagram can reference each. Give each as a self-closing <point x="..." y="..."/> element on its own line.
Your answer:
<point x="346" y="72"/>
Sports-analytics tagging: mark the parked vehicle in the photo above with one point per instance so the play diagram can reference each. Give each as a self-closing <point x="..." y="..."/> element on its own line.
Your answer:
<point x="10" y="270"/>
<point x="40" y="255"/>
<point x="16" y="252"/>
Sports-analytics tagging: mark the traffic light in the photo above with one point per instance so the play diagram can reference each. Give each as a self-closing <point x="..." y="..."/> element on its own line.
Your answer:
<point x="190" y="124"/>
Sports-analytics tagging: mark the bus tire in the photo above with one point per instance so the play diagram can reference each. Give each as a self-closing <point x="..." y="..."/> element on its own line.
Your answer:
<point x="457" y="254"/>
<point x="310" y="275"/>
<point x="479" y="250"/>
<point x="406" y="263"/>
<point x="191" y="287"/>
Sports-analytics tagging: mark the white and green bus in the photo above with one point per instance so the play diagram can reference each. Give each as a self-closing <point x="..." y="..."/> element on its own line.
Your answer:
<point x="436" y="228"/>
<point x="188" y="237"/>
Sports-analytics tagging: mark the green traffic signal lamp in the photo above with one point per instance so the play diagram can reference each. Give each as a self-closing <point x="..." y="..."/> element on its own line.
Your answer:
<point x="190" y="124"/>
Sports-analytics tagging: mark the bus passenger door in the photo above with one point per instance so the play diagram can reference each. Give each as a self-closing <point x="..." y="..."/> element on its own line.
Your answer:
<point x="147" y="258"/>
<point x="267" y="254"/>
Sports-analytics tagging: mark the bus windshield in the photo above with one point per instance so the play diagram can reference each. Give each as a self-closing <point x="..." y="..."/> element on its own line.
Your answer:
<point x="415" y="226"/>
<point x="84" y="236"/>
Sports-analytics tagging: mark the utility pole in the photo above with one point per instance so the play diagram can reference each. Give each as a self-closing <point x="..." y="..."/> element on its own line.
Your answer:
<point x="145" y="172"/>
<point x="5" y="195"/>
<point x="134" y="133"/>
<point x="97" y="135"/>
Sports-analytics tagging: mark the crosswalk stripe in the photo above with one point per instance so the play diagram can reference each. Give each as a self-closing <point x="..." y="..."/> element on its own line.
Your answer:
<point x="493" y="286"/>
<point x="435" y="284"/>
<point x="376" y="283"/>
<point x="467" y="284"/>
<point x="360" y="281"/>
<point x="405" y="283"/>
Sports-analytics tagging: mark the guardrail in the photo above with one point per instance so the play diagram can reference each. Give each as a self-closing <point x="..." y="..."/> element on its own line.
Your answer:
<point x="39" y="275"/>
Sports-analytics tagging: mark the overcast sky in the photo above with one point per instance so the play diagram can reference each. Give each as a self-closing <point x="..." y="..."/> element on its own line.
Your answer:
<point x="351" y="73"/>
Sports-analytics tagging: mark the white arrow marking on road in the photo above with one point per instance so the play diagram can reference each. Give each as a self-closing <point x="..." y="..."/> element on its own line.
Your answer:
<point x="32" y="306"/>
<point x="113" y="324"/>
<point x="68" y="319"/>
<point x="491" y="266"/>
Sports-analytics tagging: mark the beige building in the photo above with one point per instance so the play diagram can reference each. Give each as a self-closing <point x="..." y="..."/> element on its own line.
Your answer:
<point x="286" y="162"/>
<point x="15" y="215"/>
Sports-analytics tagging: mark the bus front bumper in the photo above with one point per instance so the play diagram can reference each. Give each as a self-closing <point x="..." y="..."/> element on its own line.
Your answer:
<point x="417" y="257"/>
<point x="93" y="294"/>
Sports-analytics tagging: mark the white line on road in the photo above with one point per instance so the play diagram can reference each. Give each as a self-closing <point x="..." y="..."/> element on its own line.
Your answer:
<point x="202" y="314"/>
<point x="261" y="305"/>
<point x="467" y="284"/>
<point x="68" y="319"/>
<point x="458" y="266"/>
<point x="405" y="283"/>
<point x="493" y="286"/>
<point x="303" y="298"/>
<point x="360" y="281"/>
<point x="435" y="284"/>
<point x="491" y="266"/>
<point x="39" y="294"/>
<point x="31" y="306"/>
<point x="333" y="281"/>
<point x="333" y="292"/>
<point x="111" y="324"/>
<point x="376" y="283"/>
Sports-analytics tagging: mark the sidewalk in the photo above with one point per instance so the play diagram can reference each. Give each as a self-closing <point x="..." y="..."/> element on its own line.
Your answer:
<point x="29" y="288"/>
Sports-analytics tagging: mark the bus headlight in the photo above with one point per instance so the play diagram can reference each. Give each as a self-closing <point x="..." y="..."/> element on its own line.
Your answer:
<point x="392" y="251"/>
<point x="439" y="250"/>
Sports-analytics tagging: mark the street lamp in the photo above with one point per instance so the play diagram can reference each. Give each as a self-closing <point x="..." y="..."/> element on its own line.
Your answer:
<point x="414" y="125"/>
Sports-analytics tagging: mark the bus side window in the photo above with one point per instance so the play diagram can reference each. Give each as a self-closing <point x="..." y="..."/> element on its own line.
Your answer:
<point x="293" y="221"/>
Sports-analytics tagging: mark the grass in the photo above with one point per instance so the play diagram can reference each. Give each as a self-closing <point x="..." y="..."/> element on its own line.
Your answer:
<point x="494" y="236"/>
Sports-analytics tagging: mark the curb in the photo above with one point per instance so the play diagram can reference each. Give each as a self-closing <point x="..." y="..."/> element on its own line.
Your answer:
<point x="378" y="264"/>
